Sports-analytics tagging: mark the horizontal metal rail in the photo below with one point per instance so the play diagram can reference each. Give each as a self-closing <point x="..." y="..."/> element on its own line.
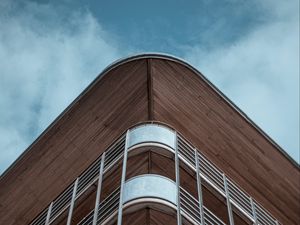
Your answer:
<point x="41" y="218"/>
<point x="262" y="216"/>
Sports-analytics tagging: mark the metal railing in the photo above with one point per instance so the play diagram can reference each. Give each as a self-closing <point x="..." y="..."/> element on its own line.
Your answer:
<point x="187" y="154"/>
<point x="213" y="176"/>
<point x="190" y="209"/>
<point x="113" y="154"/>
<point x="106" y="208"/>
<point x="190" y="206"/>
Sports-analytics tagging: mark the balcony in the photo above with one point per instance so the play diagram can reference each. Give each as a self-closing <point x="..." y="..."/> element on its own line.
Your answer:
<point x="162" y="190"/>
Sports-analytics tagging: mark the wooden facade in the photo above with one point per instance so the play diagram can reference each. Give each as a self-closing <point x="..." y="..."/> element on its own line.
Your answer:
<point x="150" y="88"/>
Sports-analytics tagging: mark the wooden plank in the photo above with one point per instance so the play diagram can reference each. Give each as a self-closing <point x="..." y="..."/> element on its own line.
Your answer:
<point x="149" y="86"/>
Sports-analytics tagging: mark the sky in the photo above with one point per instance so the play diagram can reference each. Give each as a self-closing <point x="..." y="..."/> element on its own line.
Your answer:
<point x="51" y="50"/>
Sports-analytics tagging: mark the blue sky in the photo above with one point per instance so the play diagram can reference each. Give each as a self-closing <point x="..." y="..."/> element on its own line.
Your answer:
<point x="51" y="50"/>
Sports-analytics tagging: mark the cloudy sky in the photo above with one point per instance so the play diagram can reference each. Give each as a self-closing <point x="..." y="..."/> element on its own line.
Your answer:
<point x="51" y="50"/>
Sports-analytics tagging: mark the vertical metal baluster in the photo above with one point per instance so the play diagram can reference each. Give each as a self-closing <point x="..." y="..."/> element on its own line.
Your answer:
<point x="49" y="214"/>
<point x="199" y="188"/>
<point x="177" y="180"/>
<point x="228" y="201"/>
<point x="98" y="195"/>
<point x="72" y="202"/>
<point x="120" y="211"/>
<point x="253" y="211"/>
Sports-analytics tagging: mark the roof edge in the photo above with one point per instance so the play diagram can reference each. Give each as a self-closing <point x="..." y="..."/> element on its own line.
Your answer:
<point x="156" y="55"/>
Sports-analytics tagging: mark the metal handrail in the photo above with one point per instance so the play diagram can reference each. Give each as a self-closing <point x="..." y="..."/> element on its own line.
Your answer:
<point x="41" y="218"/>
<point x="262" y="216"/>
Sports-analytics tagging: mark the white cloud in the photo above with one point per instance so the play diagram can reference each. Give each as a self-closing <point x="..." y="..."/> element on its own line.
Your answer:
<point x="260" y="73"/>
<point x="48" y="55"/>
<point x="44" y="65"/>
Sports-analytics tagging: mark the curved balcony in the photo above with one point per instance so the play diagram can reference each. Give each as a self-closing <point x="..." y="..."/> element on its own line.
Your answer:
<point x="151" y="134"/>
<point x="147" y="190"/>
<point x="151" y="188"/>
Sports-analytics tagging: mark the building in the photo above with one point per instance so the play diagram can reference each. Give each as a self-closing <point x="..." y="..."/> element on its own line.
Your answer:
<point x="151" y="141"/>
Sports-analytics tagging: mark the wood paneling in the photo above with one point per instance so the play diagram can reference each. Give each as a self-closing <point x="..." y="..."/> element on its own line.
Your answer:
<point x="136" y="218"/>
<point x="149" y="216"/>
